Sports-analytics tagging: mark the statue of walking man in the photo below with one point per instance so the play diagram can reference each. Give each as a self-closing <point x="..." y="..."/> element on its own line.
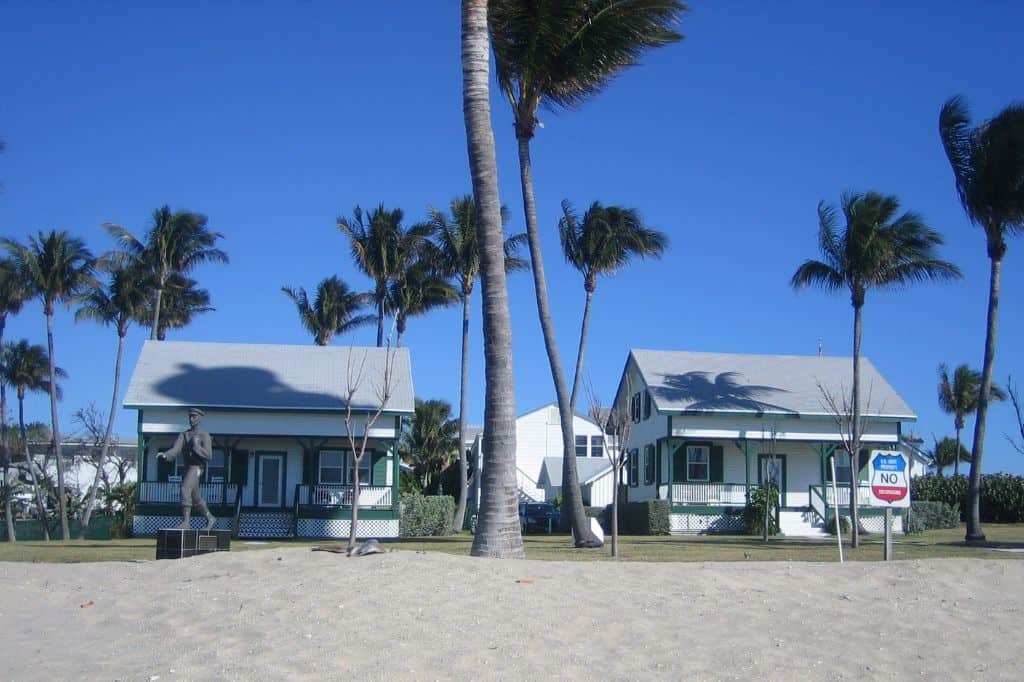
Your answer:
<point x="196" y="448"/>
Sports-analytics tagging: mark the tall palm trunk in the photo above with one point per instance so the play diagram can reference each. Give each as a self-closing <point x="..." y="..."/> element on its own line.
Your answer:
<point x="61" y="501"/>
<point x="87" y="514"/>
<point x="572" y="498"/>
<point x="154" y="334"/>
<point x="855" y="434"/>
<point x="974" y="532"/>
<point x="460" y="509"/>
<point x="381" y="293"/>
<point x="498" y="534"/>
<point x="956" y="457"/>
<point x="584" y="329"/>
<point x="5" y="453"/>
<point x="40" y="505"/>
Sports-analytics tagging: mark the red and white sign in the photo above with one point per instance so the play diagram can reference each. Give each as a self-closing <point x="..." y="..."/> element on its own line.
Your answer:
<point x="888" y="479"/>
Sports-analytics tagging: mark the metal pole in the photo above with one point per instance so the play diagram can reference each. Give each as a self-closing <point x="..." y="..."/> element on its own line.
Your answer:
<point x="835" y="506"/>
<point x="888" y="533"/>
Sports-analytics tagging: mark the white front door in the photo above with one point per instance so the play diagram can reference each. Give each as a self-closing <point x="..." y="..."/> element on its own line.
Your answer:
<point x="271" y="480"/>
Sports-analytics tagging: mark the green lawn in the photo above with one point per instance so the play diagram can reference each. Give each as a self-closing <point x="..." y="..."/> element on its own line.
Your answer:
<point x="930" y="544"/>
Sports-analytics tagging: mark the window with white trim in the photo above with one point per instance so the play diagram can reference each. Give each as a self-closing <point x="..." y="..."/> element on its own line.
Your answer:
<point x="581" y="446"/>
<point x="332" y="467"/>
<point x="634" y="408"/>
<point x="597" y="446"/>
<point x="697" y="460"/>
<point x="364" y="468"/>
<point x="634" y="468"/>
<point x="217" y="469"/>
<point x="843" y="469"/>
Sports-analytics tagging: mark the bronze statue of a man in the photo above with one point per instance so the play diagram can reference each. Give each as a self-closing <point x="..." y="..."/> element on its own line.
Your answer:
<point x="196" y="448"/>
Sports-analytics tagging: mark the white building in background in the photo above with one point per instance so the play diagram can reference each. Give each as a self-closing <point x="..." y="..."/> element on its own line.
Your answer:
<point x="538" y="442"/>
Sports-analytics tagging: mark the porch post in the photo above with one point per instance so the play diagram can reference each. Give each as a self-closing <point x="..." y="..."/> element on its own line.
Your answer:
<point x="746" y="465"/>
<point x="395" y="501"/>
<point x="670" y="456"/>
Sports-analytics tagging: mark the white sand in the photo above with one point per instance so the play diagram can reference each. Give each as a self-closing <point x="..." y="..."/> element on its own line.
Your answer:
<point x="300" y="614"/>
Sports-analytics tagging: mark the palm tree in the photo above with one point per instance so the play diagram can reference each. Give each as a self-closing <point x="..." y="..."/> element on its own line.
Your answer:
<point x="383" y="250"/>
<point x="27" y="368"/>
<point x="958" y="396"/>
<point x="604" y="240"/>
<point x="333" y="310"/>
<point x="559" y="54"/>
<point x="58" y="269"/>
<point x="175" y="245"/>
<point x="456" y="241"/>
<point x="416" y="293"/>
<point x="947" y="452"/>
<point x="988" y="166"/>
<point x="498" y="533"/>
<point x="877" y="250"/>
<point x="432" y="439"/>
<point x="119" y="303"/>
<point x="179" y="303"/>
<point x="12" y="297"/>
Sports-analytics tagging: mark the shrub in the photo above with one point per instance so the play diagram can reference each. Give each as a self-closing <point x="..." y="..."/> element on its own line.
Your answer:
<point x="925" y="515"/>
<point x="753" y="512"/>
<point x="844" y="524"/>
<point x="649" y="517"/>
<point x="422" y="515"/>
<point x="1002" y="495"/>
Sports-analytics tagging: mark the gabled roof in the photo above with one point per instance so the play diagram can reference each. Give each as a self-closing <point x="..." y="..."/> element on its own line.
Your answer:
<point x="589" y="469"/>
<point x="723" y="383"/>
<point x="266" y="377"/>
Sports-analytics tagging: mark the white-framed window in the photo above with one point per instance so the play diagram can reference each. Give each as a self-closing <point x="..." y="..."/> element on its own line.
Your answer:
<point x="634" y="468"/>
<point x="597" y="446"/>
<point x="843" y="470"/>
<point x="648" y="464"/>
<point x="697" y="459"/>
<point x="364" y="468"/>
<point x="634" y="408"/>
<point x="581" y="446"/>
<point x="332" y="467"/>
<point x="217" y="470"/>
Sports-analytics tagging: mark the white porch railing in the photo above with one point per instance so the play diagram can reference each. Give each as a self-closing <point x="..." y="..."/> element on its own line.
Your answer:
<point x="843" y="489"/>
<point x="337" y="495"/>
<point x="170" y="492"/>
<point x="733" y="494"/>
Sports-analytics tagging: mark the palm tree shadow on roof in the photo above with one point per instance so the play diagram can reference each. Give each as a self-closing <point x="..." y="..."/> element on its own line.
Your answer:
<point x="241" y="387"/>
<point x="723" y="392"/>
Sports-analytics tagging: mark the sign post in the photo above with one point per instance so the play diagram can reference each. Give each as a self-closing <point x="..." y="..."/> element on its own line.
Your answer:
<point x="889" y="487"/>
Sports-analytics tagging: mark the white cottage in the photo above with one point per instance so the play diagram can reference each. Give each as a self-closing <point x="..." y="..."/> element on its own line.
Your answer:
<point x="709" y="426"/>
<point x="282" y="463"/>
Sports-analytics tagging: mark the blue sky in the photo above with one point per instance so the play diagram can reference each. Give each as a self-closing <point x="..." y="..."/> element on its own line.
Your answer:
<point x="275" y="118"/>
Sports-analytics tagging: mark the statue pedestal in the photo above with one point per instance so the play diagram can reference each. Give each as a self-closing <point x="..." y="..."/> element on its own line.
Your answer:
<point x="177" y="543"/>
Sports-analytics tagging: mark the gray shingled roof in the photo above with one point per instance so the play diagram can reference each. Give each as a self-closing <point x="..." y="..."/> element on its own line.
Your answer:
<point x="269" y="377"/>
<point x="728" y="383"/>
<point x="587" y="468"/>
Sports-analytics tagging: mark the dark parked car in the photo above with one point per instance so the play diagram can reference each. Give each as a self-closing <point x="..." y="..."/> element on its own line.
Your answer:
<point x="538" y="516"/>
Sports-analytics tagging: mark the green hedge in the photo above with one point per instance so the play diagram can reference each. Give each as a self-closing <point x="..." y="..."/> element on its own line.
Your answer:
<point x="423" y="515"/>
<point x="925" y="515"/>
<point x="753" y="512"/>
<point x="1002" y="495"/>
<point x="649" y="517"/>
<point x="30" y="529"/>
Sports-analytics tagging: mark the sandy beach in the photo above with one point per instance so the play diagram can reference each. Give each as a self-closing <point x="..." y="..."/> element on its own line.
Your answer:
<point x="295" y="613"/>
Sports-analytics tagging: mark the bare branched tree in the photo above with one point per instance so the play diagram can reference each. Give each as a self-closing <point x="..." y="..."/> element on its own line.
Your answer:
<point x="383" y="390"/>
<point x="1018" y="445"/>
<point x="616" y="424"/>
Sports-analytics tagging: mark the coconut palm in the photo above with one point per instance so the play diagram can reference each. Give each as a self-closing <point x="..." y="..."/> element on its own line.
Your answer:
<point x="958" y="396"/>
<point x="498" y="533"/>
<point x="945" y="454"/>
<point x="988" y="166"/>
<point x="383" y="250"/>
<point x="175" y="245"/>
<point x="559" y="54"/>
<point x="28" y="368"/>
<point x="12" y="297"/>
<point x="416" y="293"/>
<point x="603" y="241"/>
<point x="120" y="302"/>
<point x="432" y="440"/>
<point x="332" y="311"/>
<point x="180" y="302"/>
<point x="456" y="242"/>
<point x="877" y="250"/>
<point x="57" y="268"/>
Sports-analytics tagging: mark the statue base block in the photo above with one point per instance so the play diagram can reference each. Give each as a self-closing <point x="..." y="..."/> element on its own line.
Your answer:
<point x="177" y="543"/>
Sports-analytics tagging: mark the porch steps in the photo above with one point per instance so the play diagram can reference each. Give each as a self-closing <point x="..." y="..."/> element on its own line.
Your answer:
<point x="265" y="524"/>
<point x="801" y="524"/>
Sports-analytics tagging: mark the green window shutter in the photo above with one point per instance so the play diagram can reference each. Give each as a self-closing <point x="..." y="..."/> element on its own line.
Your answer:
<point x="164" y="469"/>
<point x="716" y="466"/>
<point x="307" y="466"/>
<point x="862" y="465"/>
<point x="679" y="465"/>
<point x="314" y="467"/>
<point x="239" y="466"/>
<point x="379" y="468"/>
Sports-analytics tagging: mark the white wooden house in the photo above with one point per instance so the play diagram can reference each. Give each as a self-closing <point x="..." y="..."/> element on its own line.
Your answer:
<point x="539" y="439"/>
<point x="709" y="426"/>
<point x="282" y="463"/>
